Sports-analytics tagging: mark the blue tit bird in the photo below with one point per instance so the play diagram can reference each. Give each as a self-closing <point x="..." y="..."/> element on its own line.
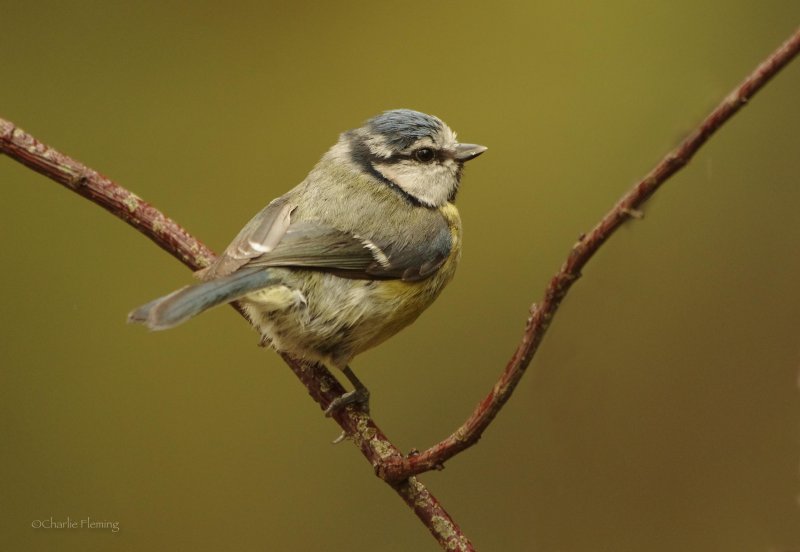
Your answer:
<point x="351" y="255"/>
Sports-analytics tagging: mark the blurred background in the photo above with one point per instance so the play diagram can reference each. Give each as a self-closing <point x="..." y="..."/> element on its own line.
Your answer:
<point x="662" y="410"/>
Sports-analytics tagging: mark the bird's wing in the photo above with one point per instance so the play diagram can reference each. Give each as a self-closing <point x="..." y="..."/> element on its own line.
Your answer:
<point x="271" y="239"/>
<point x="259" y="236"/>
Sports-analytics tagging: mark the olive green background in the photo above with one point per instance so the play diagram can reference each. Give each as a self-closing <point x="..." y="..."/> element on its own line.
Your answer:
<point x="662" y="411"/>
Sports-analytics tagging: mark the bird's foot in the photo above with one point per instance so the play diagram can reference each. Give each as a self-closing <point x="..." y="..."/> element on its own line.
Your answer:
<point x="358" y="397"/>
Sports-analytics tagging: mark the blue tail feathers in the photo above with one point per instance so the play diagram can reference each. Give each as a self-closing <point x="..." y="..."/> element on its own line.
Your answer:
<point x="181" y="305"/>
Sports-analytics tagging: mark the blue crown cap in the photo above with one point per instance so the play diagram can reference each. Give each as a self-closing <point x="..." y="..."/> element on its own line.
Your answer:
<point x="403" y="127"/>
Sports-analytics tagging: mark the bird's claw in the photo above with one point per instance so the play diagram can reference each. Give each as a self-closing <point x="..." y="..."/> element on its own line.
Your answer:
<point x="359" y="397"/>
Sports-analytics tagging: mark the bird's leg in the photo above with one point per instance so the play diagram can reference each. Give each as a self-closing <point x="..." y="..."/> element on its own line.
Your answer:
<point x="358" y="396"/>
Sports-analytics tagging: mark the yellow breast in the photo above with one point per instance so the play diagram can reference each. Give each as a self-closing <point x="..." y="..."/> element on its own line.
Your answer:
<point x="409" y="299"/>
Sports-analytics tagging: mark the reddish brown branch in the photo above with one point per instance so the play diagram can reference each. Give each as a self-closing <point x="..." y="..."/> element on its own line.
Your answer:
<point x="542" y="314"/>
<point x="166" y="233"/>
<point x="385" y="458"/>
<point x="377" y="448"/>
<point x="171" y="237"/>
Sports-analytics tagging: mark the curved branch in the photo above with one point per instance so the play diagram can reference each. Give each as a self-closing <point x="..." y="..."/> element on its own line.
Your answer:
<point x="385" y="458"/>
<point x="542" y="314"/>
<point x="174" y="239"/>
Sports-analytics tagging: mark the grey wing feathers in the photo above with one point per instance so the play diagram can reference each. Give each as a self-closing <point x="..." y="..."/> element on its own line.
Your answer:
<point x="310" y="245"/>
<point x="259" y="236"/>
<point x="272" y="239"/>
<point x="417" y="260"/>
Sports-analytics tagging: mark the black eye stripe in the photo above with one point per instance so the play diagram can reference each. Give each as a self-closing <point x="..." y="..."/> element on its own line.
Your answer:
<point x="439" y="155"/>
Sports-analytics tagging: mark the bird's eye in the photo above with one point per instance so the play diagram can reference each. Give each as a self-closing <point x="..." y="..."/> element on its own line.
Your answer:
<point x="424" y="155"/>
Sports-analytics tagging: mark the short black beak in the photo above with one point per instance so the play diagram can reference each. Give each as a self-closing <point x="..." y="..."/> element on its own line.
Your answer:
<point x="465" y="152"/>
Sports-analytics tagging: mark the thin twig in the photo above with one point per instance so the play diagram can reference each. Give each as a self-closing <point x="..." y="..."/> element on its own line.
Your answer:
<point x="171" y="237"/>
<point x="385" y="458"/>
<point x="542" y="314"/>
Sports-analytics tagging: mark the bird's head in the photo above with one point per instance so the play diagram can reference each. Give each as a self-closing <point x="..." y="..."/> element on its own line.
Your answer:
<point x="413" y="152"/>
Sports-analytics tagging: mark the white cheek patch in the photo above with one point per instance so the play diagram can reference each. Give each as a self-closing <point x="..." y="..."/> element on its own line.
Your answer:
<point x="402" y="176"/>
<point x="431" y="184"/>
